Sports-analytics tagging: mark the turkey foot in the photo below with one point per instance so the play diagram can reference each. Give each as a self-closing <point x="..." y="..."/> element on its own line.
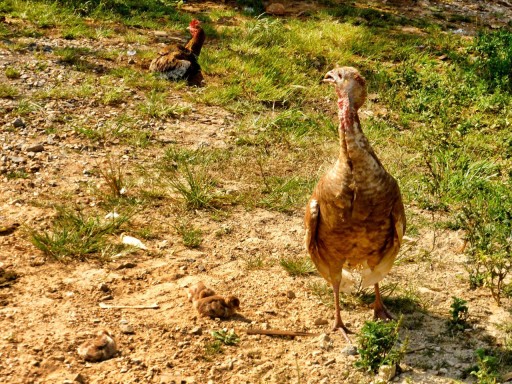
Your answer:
<point x="379" y="310"/>
<point x="338" y="325"/>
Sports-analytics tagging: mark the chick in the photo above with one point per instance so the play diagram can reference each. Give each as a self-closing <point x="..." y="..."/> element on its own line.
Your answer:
<point x="217" y="306"/>
<point x="199" y="291"/>
<point x="103" y="347"/>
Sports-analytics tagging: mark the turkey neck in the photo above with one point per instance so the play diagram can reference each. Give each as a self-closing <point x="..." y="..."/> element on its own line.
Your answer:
<point x="196" y="42"/>
<point x="355" y="150"/>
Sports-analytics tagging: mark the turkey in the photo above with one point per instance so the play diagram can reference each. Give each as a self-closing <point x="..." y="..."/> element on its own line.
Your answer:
<point x="355" y="219"/>
<point x="178" y="62"/>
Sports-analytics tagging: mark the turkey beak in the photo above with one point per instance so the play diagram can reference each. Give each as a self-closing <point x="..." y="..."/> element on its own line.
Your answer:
<point x="328" y="78"/>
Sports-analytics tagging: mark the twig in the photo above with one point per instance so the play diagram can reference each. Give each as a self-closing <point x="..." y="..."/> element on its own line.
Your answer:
<point x="277" y="332"/>
<point x="108" y="306"/>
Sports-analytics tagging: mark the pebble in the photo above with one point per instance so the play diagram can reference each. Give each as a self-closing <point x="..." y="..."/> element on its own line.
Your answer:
<point x="291" y="295"/>
<point x="321" y="322"/>
<point x="277" y="9"/>
<point x="127" y="329"/>
<point x="18" y="123"/>
<point x="104" y="287"/>
<point x="387" y="372"/>
<point x="196" y="331"/>
<point x="349" y="350"/>
<point x="35" y="148"/>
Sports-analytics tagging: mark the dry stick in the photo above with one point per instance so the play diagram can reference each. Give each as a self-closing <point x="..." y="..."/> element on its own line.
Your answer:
<point x="108" y="306"/>
<point x="277" y="332"/>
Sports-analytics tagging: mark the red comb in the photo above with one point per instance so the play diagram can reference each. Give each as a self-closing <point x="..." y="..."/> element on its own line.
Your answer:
<point x="195" y="23"/>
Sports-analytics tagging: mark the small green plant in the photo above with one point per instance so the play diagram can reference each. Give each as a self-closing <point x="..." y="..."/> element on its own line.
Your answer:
<point x="488" y="226"/>
<point x="192" y="237"/>
<point x="12" y="73"/>
<point x="76" y="236"/>
<point x="194" y="186"/>
<point x="213" y="348"/>
<point x="459" y="312"/>
<point x="158" y="107"/>
<point x="298" y="266"/>
<point x="495" y="57"/>
<point x="114" y="178"/>
<point x="379" y="345"/>
<point x="253" y="262"/>
<point x="486" y="371"/>
<point x="8" y="92"/>
<point x="226" y="337"/>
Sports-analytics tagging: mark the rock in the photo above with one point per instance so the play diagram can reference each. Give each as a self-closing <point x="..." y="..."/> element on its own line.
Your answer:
<point x="349" y="350"/>
<point x="79" y="378"/>
<point x="127" y="329"/>
<point x="291" y="295"/>
<point x="35" y="148"/>
<point x="18" y="160"/>
<point x="104" y="288"/>
<point x="387" y="372"/>
<point x="126" y="265"/>
<point x="324" y="341"/>
<point x="321" y="322"/>
<point x="276" y="9"/>
<point x="196" y="331"/>
<point x="103" y="347"/>
<point x="18" y="123"/>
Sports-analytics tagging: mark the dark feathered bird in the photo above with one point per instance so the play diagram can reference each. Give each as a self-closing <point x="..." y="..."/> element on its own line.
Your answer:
<point x="178" y="62"/>
<point x="355" y="218"/>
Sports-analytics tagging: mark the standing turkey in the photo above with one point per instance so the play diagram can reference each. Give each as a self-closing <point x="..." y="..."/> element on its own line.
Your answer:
<point x="178" y="62"/>
<point x="355" y="218"/>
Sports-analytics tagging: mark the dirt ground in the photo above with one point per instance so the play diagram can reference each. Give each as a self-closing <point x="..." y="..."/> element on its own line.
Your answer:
<point x="53" y="307"/>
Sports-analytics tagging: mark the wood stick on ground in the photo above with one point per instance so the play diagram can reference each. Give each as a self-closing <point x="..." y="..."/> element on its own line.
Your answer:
<point x="108" y="306"/>
<point x="277" y="332"/>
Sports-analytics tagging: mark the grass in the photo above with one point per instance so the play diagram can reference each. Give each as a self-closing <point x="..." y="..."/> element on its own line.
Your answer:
<point x="298" y="266"/>
<point x="76" y="236"/>
<point x="192" y="237"/>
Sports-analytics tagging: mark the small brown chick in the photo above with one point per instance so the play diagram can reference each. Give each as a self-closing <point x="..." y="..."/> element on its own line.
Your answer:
<point x="217" y="306"/>
<point x="103" y="347"/>
<point x="199" y="291"/>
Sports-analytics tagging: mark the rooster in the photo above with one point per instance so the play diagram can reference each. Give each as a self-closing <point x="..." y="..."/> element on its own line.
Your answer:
<point x="178" y="62"/>
<point x="355" y="218"/>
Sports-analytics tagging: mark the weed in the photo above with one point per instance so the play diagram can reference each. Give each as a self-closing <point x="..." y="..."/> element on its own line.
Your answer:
<point x="195" y="187"/>
<point x="113" y="177"/>
<point x="486" y="371"/>
<point x="12" y="73"/>
<point x="488" y="224"/>
<point x="225" y="337"/>
<point x="157" y="106"/>
<point x="7" y="91"/>
<point x="379" y="345"/>
<point x="495" y="57"/>
<point x="298" y="266"/>
<point x="76" y="236"/>
<point x="20" y="174"/>
<point x="253" y="262"/>
<point x="192" y="237"/>
<point x="212" y="348"/>
<point x="459" y="313"/>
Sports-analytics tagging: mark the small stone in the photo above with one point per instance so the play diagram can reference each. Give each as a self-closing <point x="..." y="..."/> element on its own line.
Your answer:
<point x="35" y="148"/>
<point x="18" y="160"/>
<point x="321" y="322"/>
<point x="18" y="123"/>
<point x="126" y="265"/>
<point x="79" y="378"/>
<point x="291" y="295"/>
<point x="104" y="287"/>
<point x="123" y="370"/>
<point x="196" y="331"/>
<point x="277" y="9"/>
<point x="127" y="329"/>
<point x="442" y="371"/>
<point x="349" y="350"/>
<point x="387" y="372"/>
<point x="107" y="297"/>
<point x="330" y="361"/>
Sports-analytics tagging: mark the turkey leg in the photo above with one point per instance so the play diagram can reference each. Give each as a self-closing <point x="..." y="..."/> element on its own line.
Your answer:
<point x="379" y="310"/>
